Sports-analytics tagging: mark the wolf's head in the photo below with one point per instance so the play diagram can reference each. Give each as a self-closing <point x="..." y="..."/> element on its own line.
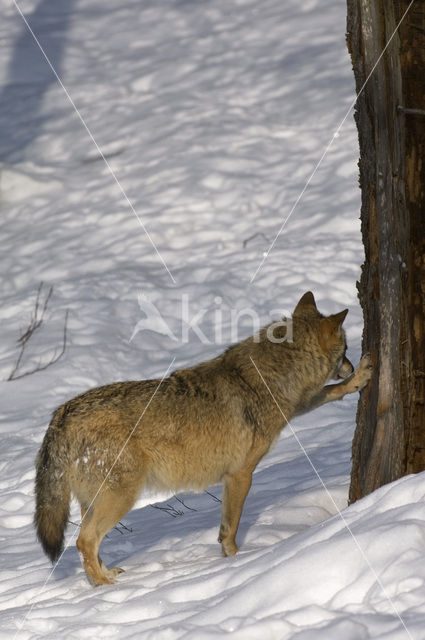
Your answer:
<point x="331" y="335"/>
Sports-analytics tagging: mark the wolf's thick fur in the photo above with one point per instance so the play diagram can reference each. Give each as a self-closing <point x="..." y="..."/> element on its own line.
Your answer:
<point x="212" y="422"/>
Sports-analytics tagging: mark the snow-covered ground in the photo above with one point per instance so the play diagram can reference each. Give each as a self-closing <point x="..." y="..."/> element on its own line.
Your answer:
<point x="211" y="117"/>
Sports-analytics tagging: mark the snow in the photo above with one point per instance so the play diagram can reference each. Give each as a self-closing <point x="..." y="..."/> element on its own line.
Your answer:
<point x="209" y="120"/>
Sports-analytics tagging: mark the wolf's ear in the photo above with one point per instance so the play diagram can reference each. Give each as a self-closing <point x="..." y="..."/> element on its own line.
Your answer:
<point x="332" y="324"/>
<point x="306" y="302"/>
<point x="330" y="329"/>
<point x="337" y="319"/>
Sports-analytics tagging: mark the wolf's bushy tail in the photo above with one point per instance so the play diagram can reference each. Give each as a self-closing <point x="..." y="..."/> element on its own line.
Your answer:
<point x="52" y="489"/>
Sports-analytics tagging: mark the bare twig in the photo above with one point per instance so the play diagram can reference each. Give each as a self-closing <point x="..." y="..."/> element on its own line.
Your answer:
<point x="76" y="524"/>
<point x="119" y="524"/>
<point x="413" y="112"/>
<point x="254" y="235"/>
<point x="35" y="323"/>
<point x="213" y="496"/>
<point x="184" y="504"/>
<point x="172" y="511"/>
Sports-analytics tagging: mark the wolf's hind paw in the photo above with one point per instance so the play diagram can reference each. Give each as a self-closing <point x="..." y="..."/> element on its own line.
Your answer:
<point x="112" y="573"/>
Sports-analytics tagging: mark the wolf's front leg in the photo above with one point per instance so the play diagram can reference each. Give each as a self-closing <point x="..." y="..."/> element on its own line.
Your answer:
<point x="357" y="381"/>
<point x="235" y="490"/>
<point x="360" y="377"/>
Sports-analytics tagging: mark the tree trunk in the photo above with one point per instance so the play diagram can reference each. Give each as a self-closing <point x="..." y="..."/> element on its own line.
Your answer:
<point x="390" y="114"/>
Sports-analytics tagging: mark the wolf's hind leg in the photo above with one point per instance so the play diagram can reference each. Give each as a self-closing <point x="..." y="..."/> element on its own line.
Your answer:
<point x="235" y="490"/>
<point x="113" y="571"/>
<point x="110" y="506"/>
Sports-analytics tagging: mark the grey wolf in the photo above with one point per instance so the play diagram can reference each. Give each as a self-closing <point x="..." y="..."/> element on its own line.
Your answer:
<point x="209" y="423"/>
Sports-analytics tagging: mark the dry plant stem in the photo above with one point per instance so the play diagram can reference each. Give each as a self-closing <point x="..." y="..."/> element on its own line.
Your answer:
<point x="34" y="324"/>
<point x="172" y="511"/>
<point x="213" y="496"/>
<point x="255" y="235"/>
<point x="184" y="504"/>
<point x="119" y="524"/>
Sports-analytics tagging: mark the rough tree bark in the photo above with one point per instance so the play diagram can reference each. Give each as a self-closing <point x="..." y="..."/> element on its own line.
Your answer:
<point x="390" y="114"/>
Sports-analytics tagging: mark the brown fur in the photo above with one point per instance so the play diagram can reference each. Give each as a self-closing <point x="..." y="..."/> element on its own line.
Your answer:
<point x="206" y="424"/>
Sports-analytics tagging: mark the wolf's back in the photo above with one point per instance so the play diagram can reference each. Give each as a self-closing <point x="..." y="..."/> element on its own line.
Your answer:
<point x="52" y="487"/>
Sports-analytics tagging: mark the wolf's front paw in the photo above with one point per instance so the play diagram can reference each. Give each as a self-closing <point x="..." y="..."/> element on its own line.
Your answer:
<point x="363" y="373"/>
